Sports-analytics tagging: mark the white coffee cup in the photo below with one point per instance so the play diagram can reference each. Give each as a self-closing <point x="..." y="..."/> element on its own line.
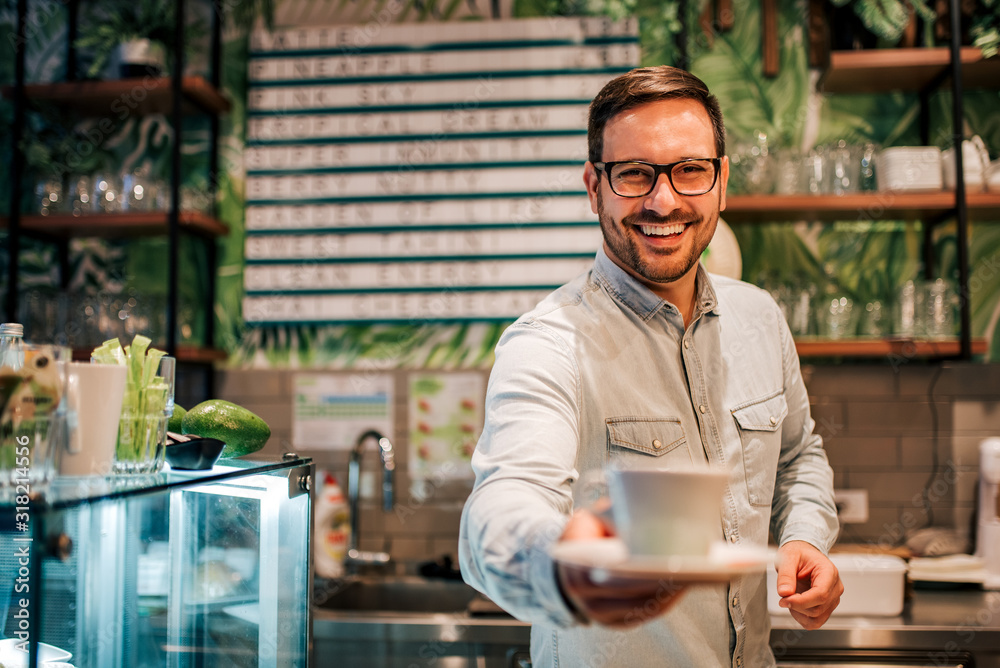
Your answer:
<point x="675" y="512"/>
<point x="95" y="393"/>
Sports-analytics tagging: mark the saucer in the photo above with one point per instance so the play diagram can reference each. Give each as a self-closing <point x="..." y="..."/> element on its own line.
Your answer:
<point x="609" y="558"/>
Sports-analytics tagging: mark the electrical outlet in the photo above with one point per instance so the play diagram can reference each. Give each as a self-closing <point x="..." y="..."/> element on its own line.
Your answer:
<point x="852" y="505"/>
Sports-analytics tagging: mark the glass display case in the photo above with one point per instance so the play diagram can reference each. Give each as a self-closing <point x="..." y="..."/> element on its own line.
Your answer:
<point x="180" y="569"/>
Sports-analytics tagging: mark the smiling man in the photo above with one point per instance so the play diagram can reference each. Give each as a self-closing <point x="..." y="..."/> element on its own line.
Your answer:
<point x="647" y="361"/>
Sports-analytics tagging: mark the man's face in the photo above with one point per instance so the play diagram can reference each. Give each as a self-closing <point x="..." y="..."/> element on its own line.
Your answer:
<point x="660" y="237"/>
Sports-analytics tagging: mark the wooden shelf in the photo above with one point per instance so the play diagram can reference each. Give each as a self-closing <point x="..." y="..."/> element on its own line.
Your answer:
<point x="192" y="354"/>
<point x="122" y="97"/>
<point x="895" y="347"/>
<point x="118" y="225"/>
<point x="883" y="70"/>
<point x="865" y="206"/>
<point x="200" y="355"/>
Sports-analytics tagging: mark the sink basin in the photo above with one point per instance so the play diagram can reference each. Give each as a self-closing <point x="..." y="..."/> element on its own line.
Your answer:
<point x="396" y="594"/>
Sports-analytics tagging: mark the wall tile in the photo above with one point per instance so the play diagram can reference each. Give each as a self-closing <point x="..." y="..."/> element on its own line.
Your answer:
<point x="889" y="486"/>
<point x="916" y="380"/>
<point x="898" y="417"/>
<point x="373" y="544"/>
<point x="410" y="549"/>
<point x="449" y="546"/>
<point x="421" y="520"/>
<point x="972" y="381"/>
<point x="886" y="527"/>
<point x="851" y="381"/>
<point x="841" y="478"/>
<point x="917" y="452"/>
<point x="829" y="416"/>
<point x="239" y="385"/>
<point x="860" y="453"/>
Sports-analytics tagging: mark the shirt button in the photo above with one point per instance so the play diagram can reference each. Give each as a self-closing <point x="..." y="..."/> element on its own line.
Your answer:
<point x="703" y="408"/>
<point x="732" y="538"/>
<point x="736" y="601"/>
<point x="774" y="420"/>
<point x="687" y="343"/>
<point x="739" y="661"/>
<point x="657" y="444"/>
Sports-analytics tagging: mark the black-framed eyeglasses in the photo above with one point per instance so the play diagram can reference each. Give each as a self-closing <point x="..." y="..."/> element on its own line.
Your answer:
<point x="633" y="178"/>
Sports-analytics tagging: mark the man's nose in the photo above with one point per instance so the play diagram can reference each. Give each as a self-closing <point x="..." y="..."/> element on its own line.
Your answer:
<point x="662" y="198"/>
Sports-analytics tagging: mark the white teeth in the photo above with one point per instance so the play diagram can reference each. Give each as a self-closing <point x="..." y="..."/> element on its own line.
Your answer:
<point x="662" y="230"/>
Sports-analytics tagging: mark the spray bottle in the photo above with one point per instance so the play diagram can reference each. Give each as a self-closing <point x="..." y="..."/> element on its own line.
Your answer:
<point x="332" y="529"/>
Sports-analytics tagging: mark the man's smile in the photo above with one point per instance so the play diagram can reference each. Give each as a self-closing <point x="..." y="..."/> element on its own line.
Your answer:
<point x="672" y="230"/>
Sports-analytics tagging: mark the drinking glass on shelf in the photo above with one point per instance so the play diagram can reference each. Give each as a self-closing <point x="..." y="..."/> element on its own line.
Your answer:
<point x="839" y="318"/>
<point x="801" y="317"/>
<point x="909" y="319"/>
<point x="138" y="191"/>
<point x="50" y="196"/>
<point x="873" y="319"/>
<point x="80" y="195"/>
<point x="814" y="170"/>
<point x="843" y="169"/>
<point x="940" y="301"/>
<point x="867" y="162"/>
<point x="107" y="193"/>
<point x="788" y="179"/>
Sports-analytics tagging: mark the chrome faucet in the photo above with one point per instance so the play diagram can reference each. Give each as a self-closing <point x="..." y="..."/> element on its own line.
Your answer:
<point x="356" y="557"/>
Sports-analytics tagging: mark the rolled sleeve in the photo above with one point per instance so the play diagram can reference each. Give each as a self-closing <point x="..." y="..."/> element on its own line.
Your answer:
<point x="803" y="507"/>
<point x="524" y="464"/>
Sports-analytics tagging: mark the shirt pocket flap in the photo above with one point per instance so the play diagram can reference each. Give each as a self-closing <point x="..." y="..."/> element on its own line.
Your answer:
<point x="653" y="436"/>
<point x="763" y="415"/>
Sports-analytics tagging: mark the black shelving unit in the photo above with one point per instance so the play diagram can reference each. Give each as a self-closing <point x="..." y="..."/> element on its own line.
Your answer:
<point x="176" y="96"/>
<point x="921" y="70"/>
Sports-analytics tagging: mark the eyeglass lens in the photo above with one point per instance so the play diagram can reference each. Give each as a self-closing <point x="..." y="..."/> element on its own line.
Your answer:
<point x="635" y="179"/>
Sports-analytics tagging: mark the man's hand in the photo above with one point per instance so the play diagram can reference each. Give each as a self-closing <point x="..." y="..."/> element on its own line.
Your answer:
<point x="808" y="584"/>
<point x="611" y="601"/>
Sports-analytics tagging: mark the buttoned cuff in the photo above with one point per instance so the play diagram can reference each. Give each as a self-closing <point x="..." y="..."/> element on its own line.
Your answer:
<point x="545" y="583"/>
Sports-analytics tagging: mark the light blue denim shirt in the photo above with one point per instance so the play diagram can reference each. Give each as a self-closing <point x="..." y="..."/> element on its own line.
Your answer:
<point x="596" y="373"/>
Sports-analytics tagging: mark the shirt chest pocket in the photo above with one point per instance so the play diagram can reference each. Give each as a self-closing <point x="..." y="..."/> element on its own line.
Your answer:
<point x="639" y="442"/>
<point x="759" y="424"/>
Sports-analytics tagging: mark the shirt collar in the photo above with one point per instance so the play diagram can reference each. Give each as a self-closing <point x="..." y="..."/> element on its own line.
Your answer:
<point x="641" y="299"/>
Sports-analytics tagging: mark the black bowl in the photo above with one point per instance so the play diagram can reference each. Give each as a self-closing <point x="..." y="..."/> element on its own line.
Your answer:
<point x="196" y="454"/>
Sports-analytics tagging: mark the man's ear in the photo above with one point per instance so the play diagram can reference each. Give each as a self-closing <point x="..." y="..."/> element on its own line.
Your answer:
<point x="723" y="182"/>
<point x="592" y="181"/>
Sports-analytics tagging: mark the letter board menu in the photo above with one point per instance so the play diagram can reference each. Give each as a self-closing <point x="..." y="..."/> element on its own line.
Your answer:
<point x="421" y="171"/>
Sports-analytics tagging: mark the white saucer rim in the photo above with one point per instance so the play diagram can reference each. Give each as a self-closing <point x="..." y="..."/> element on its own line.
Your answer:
<point x="581" y="553"/>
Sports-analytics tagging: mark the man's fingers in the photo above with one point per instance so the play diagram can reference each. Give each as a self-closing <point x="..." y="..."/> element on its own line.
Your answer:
<point x="585" y="525"/>
<point x="787" y="579"/>
<point x="822" y="591"/>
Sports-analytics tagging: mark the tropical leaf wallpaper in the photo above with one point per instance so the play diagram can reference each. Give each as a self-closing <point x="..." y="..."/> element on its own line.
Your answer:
<point x="868" y="260"/>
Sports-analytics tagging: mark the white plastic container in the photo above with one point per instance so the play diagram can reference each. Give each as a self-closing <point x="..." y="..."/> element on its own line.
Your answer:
<point x="903" y="168"/>
<point x="332" y="529"/>
<point x="873" y="585"/>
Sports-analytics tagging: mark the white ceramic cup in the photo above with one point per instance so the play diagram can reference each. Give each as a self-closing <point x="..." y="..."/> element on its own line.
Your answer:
<point x="95" y="393"/>
<point x="661" y="513"/>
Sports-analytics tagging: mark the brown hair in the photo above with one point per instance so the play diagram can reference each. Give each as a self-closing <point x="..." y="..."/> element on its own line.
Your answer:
<point x="649" y="84"/>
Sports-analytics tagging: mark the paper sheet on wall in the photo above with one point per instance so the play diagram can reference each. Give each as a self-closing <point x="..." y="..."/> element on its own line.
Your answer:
<point x="445" y="420"/>
<point x="330" y="411"/>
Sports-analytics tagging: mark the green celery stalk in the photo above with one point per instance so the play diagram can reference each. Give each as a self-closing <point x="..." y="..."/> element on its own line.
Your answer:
<point x="145" y="393"/>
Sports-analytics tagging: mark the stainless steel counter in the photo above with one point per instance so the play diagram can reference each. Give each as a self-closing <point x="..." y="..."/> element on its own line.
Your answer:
<point x="937" y="628"/>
